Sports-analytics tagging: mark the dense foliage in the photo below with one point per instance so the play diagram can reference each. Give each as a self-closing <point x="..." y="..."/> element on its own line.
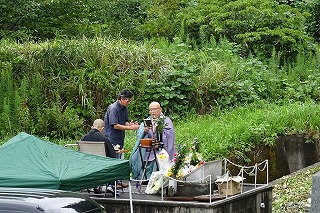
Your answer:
<point x="56" y="87"/>
<point x="258" y="26"/>
<point x="62" y="62"/>
<point x="42" y="20"/>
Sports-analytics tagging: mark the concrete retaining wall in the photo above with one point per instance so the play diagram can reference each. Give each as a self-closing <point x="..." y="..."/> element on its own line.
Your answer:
<point x="254" y="201"/>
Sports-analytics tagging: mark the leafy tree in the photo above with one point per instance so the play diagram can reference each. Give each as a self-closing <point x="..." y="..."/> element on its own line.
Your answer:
<point x="15" y="16"/>
<point x="60" y="17"/>
<point x="37" y="19"/>
<point x="313" y="20"/>
<point x="258" y="25"/>
<point x="162" y="18"/>
<point x="41" y="20"/>
<point x="119" y="18"/>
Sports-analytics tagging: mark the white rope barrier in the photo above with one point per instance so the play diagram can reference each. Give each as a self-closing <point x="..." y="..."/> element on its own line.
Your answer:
<point x="247" y="167"/>
<point x="249" y="170"/>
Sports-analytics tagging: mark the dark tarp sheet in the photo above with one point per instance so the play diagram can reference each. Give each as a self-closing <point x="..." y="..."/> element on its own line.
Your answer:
<point x="29" y="162"/>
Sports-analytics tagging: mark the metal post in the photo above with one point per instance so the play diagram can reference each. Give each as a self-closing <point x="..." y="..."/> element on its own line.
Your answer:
<point x="241" y="180"/>
<point x="130" y="197"/>
<point x="255" y="175"/>
<point x="210" y="188"/>
<point x="267" y="162"/>
<point x="227" y="184"/>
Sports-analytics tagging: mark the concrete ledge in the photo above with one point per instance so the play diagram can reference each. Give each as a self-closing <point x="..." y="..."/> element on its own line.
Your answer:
<point x="257" y="200"/>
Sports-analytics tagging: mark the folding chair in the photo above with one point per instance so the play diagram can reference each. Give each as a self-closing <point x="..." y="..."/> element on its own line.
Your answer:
<point x="91" y="147"/>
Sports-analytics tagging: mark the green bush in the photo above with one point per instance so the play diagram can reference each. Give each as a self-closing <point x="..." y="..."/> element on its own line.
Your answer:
<point x="46" y="80"/>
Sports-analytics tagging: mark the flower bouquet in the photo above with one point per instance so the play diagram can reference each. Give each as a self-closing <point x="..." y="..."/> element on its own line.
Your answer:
<point x="185" y="161"/>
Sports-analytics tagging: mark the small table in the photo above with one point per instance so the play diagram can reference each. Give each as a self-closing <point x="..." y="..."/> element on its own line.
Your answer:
<point x="149" y="149"/>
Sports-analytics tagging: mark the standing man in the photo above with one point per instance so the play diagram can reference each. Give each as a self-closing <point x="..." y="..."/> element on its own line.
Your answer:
<point x="117" y="119"/>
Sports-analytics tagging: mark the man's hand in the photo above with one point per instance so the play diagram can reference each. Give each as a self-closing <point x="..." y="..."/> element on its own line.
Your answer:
<point x="128" y="126"/>
<point x="134" y="126"/>
<point x="133" y="123"/>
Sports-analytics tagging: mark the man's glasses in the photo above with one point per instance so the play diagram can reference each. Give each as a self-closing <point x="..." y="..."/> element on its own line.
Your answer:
<point x="153" y="109"/>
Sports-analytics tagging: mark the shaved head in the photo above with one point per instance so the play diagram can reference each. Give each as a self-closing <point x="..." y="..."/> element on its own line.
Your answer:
<point x="154" y="104"/>
<point x="155" y="109"/>
<point x="98" y="124"/>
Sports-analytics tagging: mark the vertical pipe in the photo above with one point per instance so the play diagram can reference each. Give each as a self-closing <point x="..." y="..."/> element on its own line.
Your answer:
<point x="241" y="180"/>
<point x="255" y="175"/>
<point x="210" y="188"/>
<point x="267" y="162"/>
<point x="130" y="198"/>
<point x="227" y="184"/>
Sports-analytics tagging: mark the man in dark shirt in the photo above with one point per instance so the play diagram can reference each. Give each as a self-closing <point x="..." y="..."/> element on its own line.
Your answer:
<point x="95" y="135"/>
<point x="117" y="120"/>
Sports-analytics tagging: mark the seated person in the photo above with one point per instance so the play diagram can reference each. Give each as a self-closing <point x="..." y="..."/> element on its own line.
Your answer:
<point x="167" y="138"/>
<point x="95" y="135"/>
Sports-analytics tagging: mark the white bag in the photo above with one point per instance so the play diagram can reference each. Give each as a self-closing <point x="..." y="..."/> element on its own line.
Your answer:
<point x="154" y="183"/>
<point x="163" y="159"/>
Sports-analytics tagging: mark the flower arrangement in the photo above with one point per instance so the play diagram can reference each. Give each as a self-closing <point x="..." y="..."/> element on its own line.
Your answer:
<point x="178" y="160"/>
<point x="185" y="161"/>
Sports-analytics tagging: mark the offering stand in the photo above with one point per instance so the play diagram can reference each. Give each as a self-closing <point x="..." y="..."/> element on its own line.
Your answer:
<point x="151" y="146"/>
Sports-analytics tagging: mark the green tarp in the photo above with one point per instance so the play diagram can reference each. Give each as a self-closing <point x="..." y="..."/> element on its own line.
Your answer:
<point x="29" y="162"/>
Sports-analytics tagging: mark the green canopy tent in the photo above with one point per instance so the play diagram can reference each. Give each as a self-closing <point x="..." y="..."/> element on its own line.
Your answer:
<point x="29" y="162"/>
